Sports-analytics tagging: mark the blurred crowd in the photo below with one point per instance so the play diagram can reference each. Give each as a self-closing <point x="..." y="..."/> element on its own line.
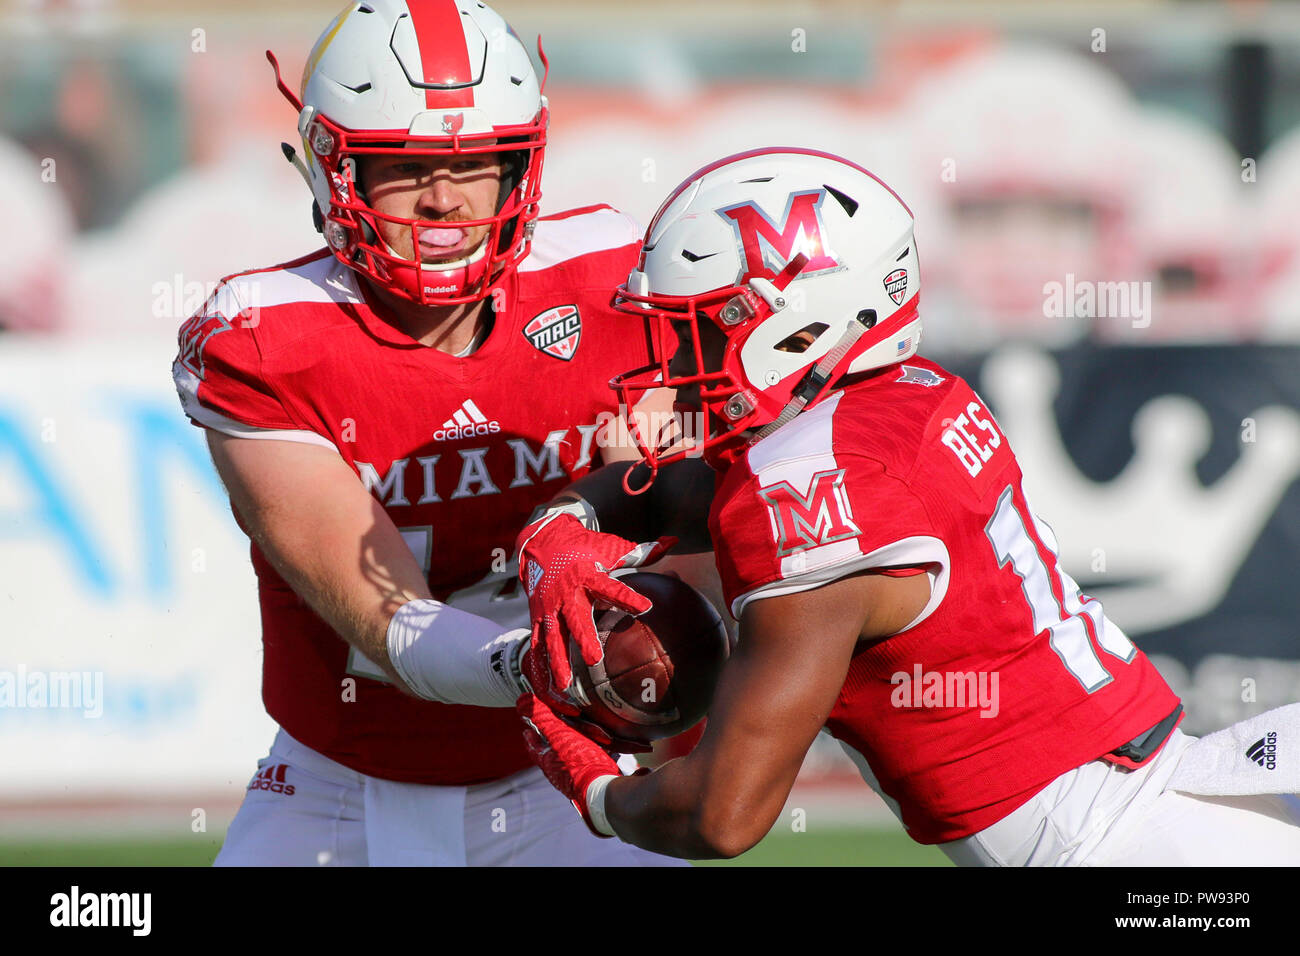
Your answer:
<point x="1053" y="202"/>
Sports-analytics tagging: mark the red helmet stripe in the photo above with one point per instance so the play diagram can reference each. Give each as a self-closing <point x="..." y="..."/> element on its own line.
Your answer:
<point x="444" y="54"/>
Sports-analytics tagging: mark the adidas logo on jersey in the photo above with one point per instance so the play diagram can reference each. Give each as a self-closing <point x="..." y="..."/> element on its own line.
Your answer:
<point x="272" y="778"/>
<point x="467" y="422"/>
<point x="1264" y="751"/>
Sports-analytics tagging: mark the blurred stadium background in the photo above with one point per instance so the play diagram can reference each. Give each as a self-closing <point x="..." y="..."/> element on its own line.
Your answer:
<point x="1108" y="199"/>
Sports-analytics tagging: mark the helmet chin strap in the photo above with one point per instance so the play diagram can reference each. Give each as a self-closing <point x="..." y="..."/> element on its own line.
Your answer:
<point x="292" y="156"/>
<point x="317" y="219"/>
<point x="819" y="376"/>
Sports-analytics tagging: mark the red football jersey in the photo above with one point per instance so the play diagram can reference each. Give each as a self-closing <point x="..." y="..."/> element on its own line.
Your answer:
<point x="459" y="450"/>
<point x="1009" y="677"/>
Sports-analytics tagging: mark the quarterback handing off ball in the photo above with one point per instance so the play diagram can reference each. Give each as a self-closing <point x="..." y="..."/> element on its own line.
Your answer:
<point x="659" y="670"/>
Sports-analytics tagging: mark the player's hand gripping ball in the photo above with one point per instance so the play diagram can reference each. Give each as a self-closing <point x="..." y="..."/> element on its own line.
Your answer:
<point x="565" y="570"/>
<point x="660" y="668"/>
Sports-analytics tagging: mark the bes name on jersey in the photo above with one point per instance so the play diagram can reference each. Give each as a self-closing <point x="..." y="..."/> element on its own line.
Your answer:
<point x="972" y="437"/>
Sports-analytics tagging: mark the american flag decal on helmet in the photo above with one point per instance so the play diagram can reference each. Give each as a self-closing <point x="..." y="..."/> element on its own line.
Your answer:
<point x="556" y="331"/>
<point x="896" y="285"/>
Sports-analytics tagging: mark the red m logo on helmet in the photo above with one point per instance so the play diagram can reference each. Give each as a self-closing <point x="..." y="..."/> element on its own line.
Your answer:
<point x="821" y="516"/>
<point x="767" y="247"/>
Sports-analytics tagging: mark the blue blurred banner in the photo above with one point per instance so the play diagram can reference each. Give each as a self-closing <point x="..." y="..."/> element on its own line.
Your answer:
<point x="1169" y="477"/>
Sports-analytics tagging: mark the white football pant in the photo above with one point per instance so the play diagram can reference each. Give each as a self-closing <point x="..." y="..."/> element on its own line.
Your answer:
<point x="1103" y="815"/>
<point x="303" y="809"/>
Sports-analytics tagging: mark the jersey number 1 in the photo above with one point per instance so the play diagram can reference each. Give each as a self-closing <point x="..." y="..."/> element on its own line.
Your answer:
<point x="1063" y="619"/>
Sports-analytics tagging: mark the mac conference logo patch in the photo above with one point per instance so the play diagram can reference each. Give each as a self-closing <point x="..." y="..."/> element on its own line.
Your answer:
<point x="556" y="331"/>
<point x="896" y="285"/>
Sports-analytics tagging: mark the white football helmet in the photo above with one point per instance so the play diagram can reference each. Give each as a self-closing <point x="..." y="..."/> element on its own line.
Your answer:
<point x="34" y="288"/>
<point x="1196" y="253"/>
<point x="431" y="78"/>
<point x="1030" y="154"/>
<point x="766" y="245"/>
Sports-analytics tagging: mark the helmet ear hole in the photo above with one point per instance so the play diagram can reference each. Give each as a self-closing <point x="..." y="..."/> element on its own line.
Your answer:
<point x="802" y="340"/>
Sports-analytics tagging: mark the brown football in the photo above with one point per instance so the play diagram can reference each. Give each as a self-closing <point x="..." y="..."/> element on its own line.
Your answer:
<point x="659" y="670"/>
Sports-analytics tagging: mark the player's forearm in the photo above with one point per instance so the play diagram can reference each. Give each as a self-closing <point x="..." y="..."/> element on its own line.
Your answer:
<point x="427" y="648"/>
<point x="772" y="699"/>
<point x="337" y="548"/>
<point x="677" y="504"/>
<point x="671" y="812"/>
<point x="347" y="581"/>
<point x="680" y="500"/>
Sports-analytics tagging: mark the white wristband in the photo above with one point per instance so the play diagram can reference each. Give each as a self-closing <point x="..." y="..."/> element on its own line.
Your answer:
<point x="596" y="804"/>
<point x="452" y="656"/>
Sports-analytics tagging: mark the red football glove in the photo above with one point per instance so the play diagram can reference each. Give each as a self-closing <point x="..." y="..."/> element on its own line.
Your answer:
<point x="565" y="571"/>
<point x="571" y="761"/>
<point x="592" y="731"/>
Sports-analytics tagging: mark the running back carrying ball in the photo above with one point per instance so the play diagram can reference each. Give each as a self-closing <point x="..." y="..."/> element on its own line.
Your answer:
<point x="659" y="670"/>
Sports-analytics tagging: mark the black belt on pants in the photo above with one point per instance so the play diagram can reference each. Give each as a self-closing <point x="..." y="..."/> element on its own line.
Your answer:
<point x="1148" y="742"/>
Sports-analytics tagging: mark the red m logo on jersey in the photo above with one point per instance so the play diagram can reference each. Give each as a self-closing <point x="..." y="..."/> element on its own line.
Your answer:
<point x="821" y="516"/>
<point x="767" y="247"/>
<point x="194" y="335"/>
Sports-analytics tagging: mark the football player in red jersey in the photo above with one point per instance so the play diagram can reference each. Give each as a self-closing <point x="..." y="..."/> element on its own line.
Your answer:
<point x="386" y="414"/>
<point x="892" y="583"/>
